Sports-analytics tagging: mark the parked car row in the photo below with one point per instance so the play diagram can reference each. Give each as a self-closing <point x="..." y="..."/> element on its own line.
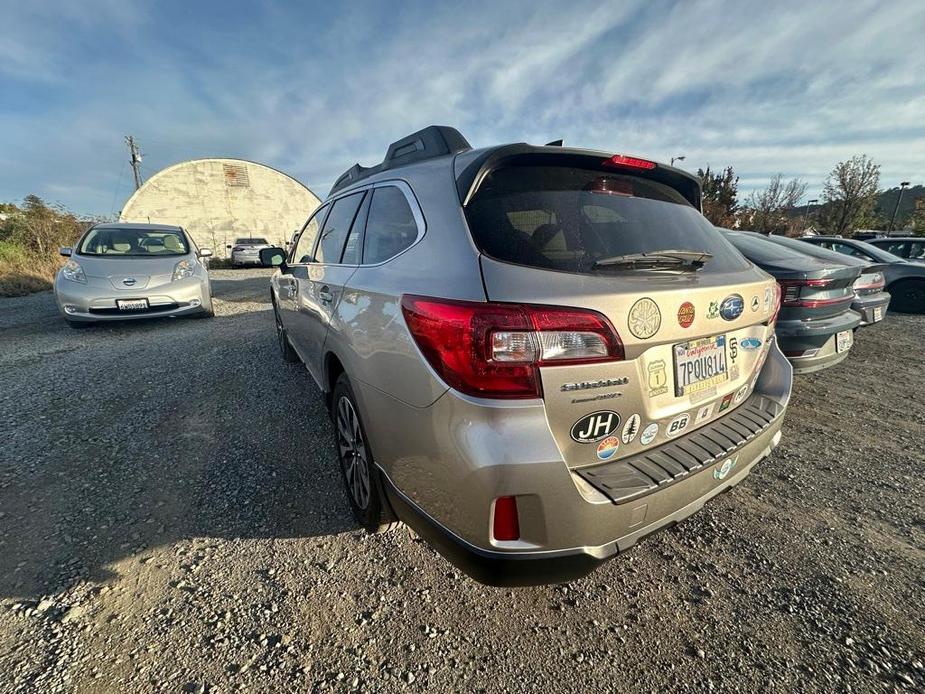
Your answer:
<point x="534" y="356"/>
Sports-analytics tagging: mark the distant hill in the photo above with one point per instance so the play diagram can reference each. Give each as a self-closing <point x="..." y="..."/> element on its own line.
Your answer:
<point x="884" y="207"/>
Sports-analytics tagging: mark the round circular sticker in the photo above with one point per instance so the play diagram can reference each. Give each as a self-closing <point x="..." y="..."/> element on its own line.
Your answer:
<point x="686" y="314"/>
<point x="648" y="434"/>
<point x="644" y="319"/>
<point x="608" y="447"/>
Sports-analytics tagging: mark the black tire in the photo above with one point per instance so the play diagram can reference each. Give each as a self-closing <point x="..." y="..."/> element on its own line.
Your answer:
<point x="288" y="354"/>
<point x="358" y="471"/>
<point x="908" y="296"/>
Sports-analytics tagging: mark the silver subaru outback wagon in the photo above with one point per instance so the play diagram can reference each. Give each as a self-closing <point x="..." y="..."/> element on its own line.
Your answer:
<point x="534" y="356"/>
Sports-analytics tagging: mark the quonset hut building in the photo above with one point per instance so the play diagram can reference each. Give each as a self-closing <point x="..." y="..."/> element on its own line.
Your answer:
<point x="220" y="200"/>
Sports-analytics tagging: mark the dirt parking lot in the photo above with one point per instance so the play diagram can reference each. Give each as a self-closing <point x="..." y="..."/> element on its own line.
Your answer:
<point x="172" y="519"/>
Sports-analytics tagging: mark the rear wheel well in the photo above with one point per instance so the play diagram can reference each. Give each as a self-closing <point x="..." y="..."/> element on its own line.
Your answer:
<point x="332" y="371"/>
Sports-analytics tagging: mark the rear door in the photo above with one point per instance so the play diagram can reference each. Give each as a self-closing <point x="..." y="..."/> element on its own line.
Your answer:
<point x="693" y="338"/>
<point x="321" y="291"/>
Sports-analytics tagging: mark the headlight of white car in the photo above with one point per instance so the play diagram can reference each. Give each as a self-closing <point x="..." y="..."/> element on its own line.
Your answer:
<point x="183" y="269"/>
<point x="73" y="272"/>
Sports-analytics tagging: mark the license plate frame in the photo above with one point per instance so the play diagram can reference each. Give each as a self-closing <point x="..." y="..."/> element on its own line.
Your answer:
<point x="844" y="341"/>
<point x="132" y="304"/>
<point x="680" y="353"/>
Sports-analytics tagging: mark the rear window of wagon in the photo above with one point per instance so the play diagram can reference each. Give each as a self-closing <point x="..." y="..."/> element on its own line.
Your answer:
<point x="566" y="218"/>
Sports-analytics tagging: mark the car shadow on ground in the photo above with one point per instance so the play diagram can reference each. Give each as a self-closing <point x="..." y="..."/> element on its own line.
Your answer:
<point x="135" y="436"/>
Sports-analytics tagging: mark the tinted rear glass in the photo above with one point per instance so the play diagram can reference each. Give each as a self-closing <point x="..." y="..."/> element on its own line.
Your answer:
<point x="761" y="250"/>
<point x="565" y="218"/>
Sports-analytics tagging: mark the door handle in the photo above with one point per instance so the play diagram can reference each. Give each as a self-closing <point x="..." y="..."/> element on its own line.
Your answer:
<point x="325" y="294"/>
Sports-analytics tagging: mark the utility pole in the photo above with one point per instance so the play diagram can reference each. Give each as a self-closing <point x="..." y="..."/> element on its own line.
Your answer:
<point x="902" y="188"/>
<point x="136" y="159"/>
<point x="806" y="211"/>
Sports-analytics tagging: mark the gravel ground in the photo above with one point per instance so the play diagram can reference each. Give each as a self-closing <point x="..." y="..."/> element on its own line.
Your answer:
<point x="172" y="519"/>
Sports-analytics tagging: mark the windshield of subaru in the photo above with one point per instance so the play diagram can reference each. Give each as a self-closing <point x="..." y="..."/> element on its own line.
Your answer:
<point x="133" y="242"/>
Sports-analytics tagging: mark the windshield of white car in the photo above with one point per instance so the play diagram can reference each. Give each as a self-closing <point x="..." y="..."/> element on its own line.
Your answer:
<point x="136" y="243"/>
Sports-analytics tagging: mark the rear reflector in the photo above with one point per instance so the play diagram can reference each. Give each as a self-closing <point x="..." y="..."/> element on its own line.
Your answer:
<point x="630" y="162"/>
<point x="494" y="350"/>
<point x="505" y="525"/>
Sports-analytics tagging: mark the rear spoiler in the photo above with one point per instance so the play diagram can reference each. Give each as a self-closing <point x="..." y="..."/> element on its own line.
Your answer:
<point x="471" y="177"/>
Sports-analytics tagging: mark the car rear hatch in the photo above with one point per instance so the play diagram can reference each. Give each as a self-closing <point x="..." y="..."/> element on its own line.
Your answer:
<point x="601" y="235"/>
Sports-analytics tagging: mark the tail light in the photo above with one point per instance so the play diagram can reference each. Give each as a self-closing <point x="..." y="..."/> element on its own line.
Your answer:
<point x="238" y="248"/>
<point x="872" y="281"/>
<point x="629" y="162"/>
<point x="495" y="350"/>
<point x="793" y="293"/>
<point x="505" y="524"/>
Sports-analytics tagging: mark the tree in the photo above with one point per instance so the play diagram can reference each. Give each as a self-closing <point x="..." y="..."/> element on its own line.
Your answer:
<point x="768" y="209"/>
<point x="850" y="194"/>
<point x="40" y="229"/>
<point x="720" y="196"/>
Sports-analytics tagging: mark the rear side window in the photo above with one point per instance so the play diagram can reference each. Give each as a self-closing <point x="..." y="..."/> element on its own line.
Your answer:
<point x="566" y="218"/>
<point x="390" y="227"/>
<point x="336" y="228"/>
<point x="848" y="249"/>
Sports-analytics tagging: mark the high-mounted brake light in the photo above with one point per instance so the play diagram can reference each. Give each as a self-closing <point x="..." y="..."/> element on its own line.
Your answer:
<point x="630" y="162"/>
<point x="495" y="350"/>
<point x="505" y="524"/>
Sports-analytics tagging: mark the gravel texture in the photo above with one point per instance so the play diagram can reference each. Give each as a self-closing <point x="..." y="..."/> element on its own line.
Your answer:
<point x="172" y="520"/>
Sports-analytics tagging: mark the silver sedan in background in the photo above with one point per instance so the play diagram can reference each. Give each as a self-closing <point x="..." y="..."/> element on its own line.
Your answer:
<point x="123" y="271"/>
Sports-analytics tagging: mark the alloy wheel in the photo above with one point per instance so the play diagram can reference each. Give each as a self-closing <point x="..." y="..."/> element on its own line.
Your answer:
<point x="353" y="453"/>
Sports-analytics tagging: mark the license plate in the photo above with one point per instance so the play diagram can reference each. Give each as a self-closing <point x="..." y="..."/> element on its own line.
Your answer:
<point x="878" y="314"/>
<point x="844" y="340"/>
<point x="132" y="304"/>
<point x="699" y="364"/>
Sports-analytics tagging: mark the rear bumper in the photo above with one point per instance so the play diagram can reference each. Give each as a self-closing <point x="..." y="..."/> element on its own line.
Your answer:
<point x="569" y="524"/>
<point x="867" y="307"/>
<point x="245" y="258"/>
<point x="810" y="345"/>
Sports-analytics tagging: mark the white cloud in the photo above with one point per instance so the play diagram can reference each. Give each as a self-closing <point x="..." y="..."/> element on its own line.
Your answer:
<point x="765" y="87"/>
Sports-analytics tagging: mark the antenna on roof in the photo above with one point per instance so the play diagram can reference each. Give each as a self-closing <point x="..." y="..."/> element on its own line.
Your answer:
<point x="554" y="143"/>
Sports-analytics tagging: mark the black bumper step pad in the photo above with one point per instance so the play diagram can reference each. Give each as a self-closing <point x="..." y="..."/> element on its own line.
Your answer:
<point x="628" y="479"/>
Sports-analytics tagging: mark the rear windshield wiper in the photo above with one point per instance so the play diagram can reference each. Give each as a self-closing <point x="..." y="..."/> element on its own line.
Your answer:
<point x="667" y="259"/>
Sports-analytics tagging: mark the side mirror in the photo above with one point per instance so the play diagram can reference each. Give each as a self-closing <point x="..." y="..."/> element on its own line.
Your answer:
<point x="272" y="257"/>
<point x="205" y="252"/>
<point x="66" y="251"/>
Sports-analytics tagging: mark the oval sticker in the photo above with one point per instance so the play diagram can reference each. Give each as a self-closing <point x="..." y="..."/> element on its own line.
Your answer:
<point x="595" y="426"/>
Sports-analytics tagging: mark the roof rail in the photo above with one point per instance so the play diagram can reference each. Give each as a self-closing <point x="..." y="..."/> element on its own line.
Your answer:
<point x="433" y="141"/>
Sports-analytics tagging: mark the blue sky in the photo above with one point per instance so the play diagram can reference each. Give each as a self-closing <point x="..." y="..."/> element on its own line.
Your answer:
<point x="764" y="86"/>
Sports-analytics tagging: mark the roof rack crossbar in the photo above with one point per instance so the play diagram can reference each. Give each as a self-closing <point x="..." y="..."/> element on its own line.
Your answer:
<point x="433" y="141"/>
